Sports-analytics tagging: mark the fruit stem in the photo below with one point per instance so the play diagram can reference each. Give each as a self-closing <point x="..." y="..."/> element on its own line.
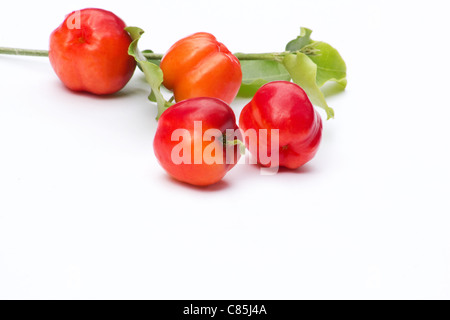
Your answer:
<point x="235" y="142"/>
<point x="274" y="56"/>
<point x="24" y="52"/>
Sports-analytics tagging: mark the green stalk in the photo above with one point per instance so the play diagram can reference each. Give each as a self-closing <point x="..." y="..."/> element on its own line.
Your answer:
<point x="275" y="56"/>
<point x="24" y="52"/>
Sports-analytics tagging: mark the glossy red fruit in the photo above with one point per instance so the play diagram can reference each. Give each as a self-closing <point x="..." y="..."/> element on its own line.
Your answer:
<point x="194" y="141"/>
<point x="89" y="52"/>
<point x="284" y="106"/>
<point x="200" y="66"/>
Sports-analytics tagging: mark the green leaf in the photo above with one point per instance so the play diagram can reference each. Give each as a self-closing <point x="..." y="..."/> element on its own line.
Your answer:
<point x="304" y="73"/>
<point x="311" y="64"/>
<point x="157" y="62"/>
<point x="330" y="65"/>
<point x="301" y="41"/>
<point x="256" y="73"/>
<point x="153" y="73"/>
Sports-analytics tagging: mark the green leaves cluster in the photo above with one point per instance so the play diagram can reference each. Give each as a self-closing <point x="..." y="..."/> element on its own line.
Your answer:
<point x="152" y="71"/>
<point x="308" y="63"/>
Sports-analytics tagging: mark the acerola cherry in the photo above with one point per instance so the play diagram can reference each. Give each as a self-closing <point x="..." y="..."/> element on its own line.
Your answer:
<point x="89" y="52"/>
<point x="195" y="141"/>
<point x="284" y="106"/>
<point x="200" y="66"/>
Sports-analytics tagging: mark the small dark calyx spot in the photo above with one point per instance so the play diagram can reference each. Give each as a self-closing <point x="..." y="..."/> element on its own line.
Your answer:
<point x="81" y="40"/>
<point x="284" y="148"/>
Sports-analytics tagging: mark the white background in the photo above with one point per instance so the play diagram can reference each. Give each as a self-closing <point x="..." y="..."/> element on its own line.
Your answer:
<point x="87" y="212"/>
